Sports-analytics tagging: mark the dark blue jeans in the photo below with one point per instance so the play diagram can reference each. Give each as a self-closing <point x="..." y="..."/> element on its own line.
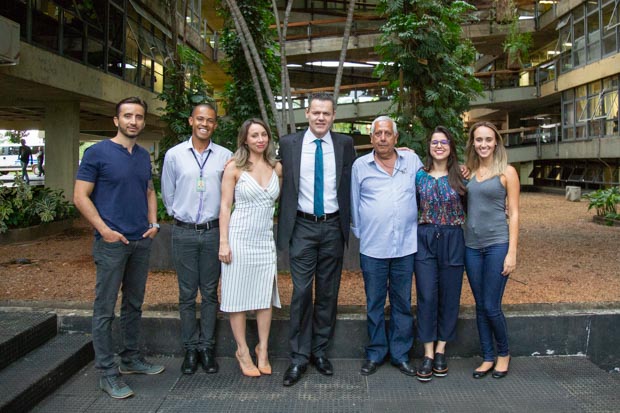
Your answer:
<point x="484" y="271"/>
<point x="25" y="176"/>
<point x="393" y="275"/>
<point x="119" y="267"/>
<point x="198" y="267"/>
<point x="439" y="266"/>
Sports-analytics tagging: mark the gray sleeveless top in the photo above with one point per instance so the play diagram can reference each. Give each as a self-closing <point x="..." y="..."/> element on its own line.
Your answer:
<point x="486" y="213"/>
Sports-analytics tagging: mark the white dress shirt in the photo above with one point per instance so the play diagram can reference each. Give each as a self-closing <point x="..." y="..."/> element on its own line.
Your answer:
<point x="305" y="201"/>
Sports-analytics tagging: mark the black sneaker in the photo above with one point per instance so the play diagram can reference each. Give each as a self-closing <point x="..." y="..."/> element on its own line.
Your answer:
<point x="425" y="371"/>
<point x="440" y="365"/>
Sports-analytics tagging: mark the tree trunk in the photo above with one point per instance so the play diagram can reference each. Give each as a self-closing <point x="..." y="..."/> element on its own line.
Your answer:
<point x="343" y="50"/>
<point x="246" y="36"/>
<point x="248" y="59"/>
<point x="287" y="101"/>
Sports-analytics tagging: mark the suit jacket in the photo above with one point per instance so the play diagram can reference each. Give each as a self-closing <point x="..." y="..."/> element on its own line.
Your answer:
<point x="290" y="153"/>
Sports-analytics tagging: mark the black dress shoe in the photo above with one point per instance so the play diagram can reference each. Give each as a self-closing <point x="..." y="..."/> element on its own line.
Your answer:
<point x="207" y="359"/>
<point x="406" y="367"/>
<point x="425" y="372"/>
<point x="293" y="374"/>
<point x="323" y="366"/>
<point x="440" y="365"/>
<point x="369" y="367"/>
<point x="190" y="362"/>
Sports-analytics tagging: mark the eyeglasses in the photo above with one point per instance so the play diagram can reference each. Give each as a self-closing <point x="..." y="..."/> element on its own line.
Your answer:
<point x="443" y="142"/>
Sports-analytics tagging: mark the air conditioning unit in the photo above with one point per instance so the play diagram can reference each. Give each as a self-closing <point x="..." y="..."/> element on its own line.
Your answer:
<point x="9" y="42"/>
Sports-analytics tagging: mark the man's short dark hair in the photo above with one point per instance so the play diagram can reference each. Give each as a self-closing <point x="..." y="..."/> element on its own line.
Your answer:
<point x="321" y="96"/>
<point x="133" y="99"/>
<point x="207" y="104"/>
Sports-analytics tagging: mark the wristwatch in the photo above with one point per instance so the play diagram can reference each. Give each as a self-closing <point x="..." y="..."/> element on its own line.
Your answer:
<point x="155" y="225"/>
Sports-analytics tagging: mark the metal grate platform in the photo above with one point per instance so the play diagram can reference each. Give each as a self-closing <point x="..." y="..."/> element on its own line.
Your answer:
<point x="549" y="384"/>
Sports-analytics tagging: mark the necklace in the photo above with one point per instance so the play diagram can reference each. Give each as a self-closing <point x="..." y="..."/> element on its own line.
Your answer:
<point x="386" y="167"/>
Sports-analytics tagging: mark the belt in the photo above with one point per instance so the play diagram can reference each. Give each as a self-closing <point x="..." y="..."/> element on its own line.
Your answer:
<point x="198" y="227"/>
<point x="315" y="218"/>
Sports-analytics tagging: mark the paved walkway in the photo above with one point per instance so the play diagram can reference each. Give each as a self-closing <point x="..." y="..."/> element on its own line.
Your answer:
<point x="535" y="384"/>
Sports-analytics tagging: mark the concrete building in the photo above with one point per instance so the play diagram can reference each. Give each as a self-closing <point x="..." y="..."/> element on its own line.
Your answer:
<point x="65" y="63"/>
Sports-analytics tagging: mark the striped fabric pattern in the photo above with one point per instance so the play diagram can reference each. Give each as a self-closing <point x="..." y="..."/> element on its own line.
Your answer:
<point x="249" y="282"/>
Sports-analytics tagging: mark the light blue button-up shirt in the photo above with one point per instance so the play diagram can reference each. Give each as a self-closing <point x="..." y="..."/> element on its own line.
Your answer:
<point x="179" y="182"/>
<point x="384" y="212"/>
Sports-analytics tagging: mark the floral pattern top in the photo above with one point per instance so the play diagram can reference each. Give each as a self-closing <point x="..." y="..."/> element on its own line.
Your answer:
<point x="438" y="202"/>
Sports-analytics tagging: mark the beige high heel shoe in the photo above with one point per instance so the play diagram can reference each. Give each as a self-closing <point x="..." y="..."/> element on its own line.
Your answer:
<point x="247" y="365"/>
<point x="264" y="369"/>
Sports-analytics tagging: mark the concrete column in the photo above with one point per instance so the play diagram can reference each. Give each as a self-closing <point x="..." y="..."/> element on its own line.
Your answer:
<point x="62" y="132"/>
<point x="524" y="173"/>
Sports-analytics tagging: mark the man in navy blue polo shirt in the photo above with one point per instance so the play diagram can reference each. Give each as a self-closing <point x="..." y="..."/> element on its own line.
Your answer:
<point x="114" y="192"/>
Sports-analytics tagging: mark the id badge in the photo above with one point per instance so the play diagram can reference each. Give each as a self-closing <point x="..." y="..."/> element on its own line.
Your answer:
<point x="200" y="184"/>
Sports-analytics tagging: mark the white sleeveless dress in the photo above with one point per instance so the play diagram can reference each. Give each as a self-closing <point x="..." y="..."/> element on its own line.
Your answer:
<point x="249" y="282"/>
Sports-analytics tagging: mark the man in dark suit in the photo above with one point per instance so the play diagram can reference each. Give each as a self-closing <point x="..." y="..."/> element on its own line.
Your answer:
<point x="314" y="225"/>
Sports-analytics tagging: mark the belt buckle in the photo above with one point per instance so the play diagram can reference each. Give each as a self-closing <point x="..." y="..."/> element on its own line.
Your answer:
<point x="196" y="227"/>
<point x="321" y="218"/>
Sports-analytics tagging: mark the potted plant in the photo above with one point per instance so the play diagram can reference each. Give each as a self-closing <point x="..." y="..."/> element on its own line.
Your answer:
<point x="517" y="45"/>
<point x="606" y="202"/>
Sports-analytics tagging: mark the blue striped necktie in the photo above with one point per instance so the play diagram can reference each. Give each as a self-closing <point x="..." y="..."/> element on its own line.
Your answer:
<point x="318" y="179"/>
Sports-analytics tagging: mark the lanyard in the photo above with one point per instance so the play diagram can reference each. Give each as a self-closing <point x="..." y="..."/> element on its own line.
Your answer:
<point x="198" y="163"/>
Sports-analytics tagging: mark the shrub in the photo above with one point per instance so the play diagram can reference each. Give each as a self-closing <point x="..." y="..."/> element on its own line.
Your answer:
<point x="23" y="205"/>
<point x="606" y="202"/>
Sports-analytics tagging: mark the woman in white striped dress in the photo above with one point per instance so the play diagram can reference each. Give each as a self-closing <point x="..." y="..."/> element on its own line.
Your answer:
<point x="247" y="247"/>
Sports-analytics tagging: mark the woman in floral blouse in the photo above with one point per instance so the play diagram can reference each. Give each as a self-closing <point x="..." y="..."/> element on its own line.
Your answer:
<point x="440" y="258"/>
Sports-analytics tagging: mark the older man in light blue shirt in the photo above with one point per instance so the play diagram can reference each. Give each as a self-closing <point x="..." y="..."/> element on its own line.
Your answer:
<point x="191" y="191"/>
<point x="384" y="217"/>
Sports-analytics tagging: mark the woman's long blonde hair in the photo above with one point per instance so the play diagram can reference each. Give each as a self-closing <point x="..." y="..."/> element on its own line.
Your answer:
<point x="500" y="156"/>
<point x="242" y="154"/>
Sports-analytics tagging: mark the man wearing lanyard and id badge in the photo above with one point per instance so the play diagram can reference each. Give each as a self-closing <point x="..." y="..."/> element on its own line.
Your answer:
<point x="191" y="191"/>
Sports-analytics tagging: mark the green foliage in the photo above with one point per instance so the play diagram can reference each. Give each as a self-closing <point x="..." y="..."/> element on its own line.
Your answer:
<point x="422" y="42"/>
<point x="16" y="136"/>
<point x="517" y="44"/>
<point x="240" y="100"/>
<point x="184" y="88"/>
<point x="23" y="205"/>
<point x="605" y="201"/>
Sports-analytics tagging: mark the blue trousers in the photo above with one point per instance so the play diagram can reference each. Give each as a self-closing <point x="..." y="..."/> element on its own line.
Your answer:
<point x="198" y="267"/>
<point x="119" y="267"/>
<point x="439" y="265"/>
<point x="393" y="276"/>
<point x="484" y="271"/>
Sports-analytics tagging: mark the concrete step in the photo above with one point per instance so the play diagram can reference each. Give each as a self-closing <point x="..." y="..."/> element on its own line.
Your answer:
<point x="31" y="378"/>
<point x="21" y="333"/>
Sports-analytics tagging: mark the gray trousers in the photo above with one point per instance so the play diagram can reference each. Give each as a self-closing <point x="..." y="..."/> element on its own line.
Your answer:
<point x="119" y="267"/>
<point x="196" y="261"/>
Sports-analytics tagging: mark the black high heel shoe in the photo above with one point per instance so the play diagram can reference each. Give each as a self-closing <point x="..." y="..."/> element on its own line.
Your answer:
<point x="501" y="374"/>
<point x="477" y="374"/>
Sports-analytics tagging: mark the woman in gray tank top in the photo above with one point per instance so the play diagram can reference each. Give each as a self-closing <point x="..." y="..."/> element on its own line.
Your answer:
<point x="491" y="241"/>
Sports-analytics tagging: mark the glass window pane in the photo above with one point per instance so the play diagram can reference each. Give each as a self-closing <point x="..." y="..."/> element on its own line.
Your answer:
<point x="73" y="37"/>
<point x="45" y="24"/>
<point x="116" y="33"/>
<point x="115" y="63"/>
<point x="146" y="73"/>
<point x="95" y="53"/>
